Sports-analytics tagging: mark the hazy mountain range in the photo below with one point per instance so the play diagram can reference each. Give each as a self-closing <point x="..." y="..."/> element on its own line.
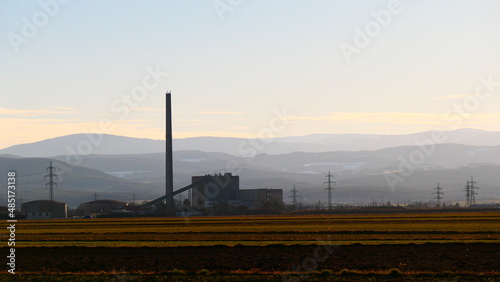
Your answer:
<point x="120" y="167"/>
<point x="111" y="144"/>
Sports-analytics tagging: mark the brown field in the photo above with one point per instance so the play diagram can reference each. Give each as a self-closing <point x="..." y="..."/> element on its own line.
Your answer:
<point x="414" y="244"/>
<point x="429" y="257"/>
<point x="263" y="230"/>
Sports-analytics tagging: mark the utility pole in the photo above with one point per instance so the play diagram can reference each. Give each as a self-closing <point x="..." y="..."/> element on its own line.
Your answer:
<point x="51" y="185"/>
<point x="438" y="194"/>
<point x="295" y="195"/>
<point x="329" y="178"/>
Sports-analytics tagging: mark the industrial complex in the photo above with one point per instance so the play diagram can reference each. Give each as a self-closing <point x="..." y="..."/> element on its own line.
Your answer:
<point x="208" y="194"/>
<point x="224" y="190"/>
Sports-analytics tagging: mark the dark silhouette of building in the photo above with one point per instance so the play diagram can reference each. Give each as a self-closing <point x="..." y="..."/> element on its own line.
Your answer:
<point x="223" y="190"/>
<point x="262" y="198"/>
<point x="44" y="209"/>
<point x="99" y="207"/>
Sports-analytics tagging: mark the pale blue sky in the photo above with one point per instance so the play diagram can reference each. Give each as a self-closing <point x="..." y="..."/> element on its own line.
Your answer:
<point x="227" y="76"/>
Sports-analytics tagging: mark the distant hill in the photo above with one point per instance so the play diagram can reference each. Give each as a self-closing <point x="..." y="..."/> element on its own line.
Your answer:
<point x="359" y="175"/>
<point x="75" y="186"/>
<point x="112" y="144"/>
<point x="86" y="144"/>
<point x="122" y="166"/>
<point x="332" y="142"/>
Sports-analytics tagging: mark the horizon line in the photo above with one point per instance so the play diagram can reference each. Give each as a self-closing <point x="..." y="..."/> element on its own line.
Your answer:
<point x="254" y="137"/>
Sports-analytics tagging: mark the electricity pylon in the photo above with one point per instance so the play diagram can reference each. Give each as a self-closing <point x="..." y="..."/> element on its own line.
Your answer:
<point x="472" y="193"/>
<point x="295" y="195"/>
<point x="51" y="185"/>
<point x="438" y="194"/>
<point x="329" y="188"/>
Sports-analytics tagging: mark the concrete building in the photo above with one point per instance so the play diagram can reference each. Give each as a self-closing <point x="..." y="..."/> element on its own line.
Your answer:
<point x="261" y="198"/>
<point x="100" y="207"/>
<point x="44" y="209"/>
<point x="223" y="191"/>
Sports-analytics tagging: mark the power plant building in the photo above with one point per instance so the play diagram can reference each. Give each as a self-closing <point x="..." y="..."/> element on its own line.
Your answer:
<point x="224" y="189"/>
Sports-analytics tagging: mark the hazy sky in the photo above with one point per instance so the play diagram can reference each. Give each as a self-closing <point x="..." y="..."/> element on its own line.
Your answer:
<point x="388" y="67"/>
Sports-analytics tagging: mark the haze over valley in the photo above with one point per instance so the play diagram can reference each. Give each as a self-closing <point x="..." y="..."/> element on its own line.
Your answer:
<point x="125" y="168"/>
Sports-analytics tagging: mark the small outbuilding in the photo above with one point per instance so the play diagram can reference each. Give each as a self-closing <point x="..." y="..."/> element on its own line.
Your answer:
<point x="100" y="207"/>
<point x="44" y="209"/>
<point x="262" y="198"/>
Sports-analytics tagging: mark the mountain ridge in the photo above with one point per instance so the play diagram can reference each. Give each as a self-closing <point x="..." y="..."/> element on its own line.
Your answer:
<point x="359" y="175"/>
<point x="91" y="143"/>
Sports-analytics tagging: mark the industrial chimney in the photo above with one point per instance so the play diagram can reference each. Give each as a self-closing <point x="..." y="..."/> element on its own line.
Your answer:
<point x="169" y="165"/>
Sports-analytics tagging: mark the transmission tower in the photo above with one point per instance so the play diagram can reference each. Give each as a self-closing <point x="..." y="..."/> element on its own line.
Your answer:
<point x="472" y="193"/>
<point x="329" y="188"/>
<point x="95" y="195"/>
<point x="467" y="194"/>
<point x="51" y="184"/>
<point x="295" y="195"/>
<point x="438" y="194"/>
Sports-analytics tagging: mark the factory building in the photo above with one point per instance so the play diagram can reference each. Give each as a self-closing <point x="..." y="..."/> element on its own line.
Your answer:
<point x="100" y="207"/>
<point x="44" y="209"/>
<point x="224" y="190"/>
<point x="261" y="198"/>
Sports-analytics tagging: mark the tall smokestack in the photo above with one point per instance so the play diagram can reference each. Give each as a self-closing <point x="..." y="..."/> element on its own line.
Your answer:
<point x="169" y="165"/>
